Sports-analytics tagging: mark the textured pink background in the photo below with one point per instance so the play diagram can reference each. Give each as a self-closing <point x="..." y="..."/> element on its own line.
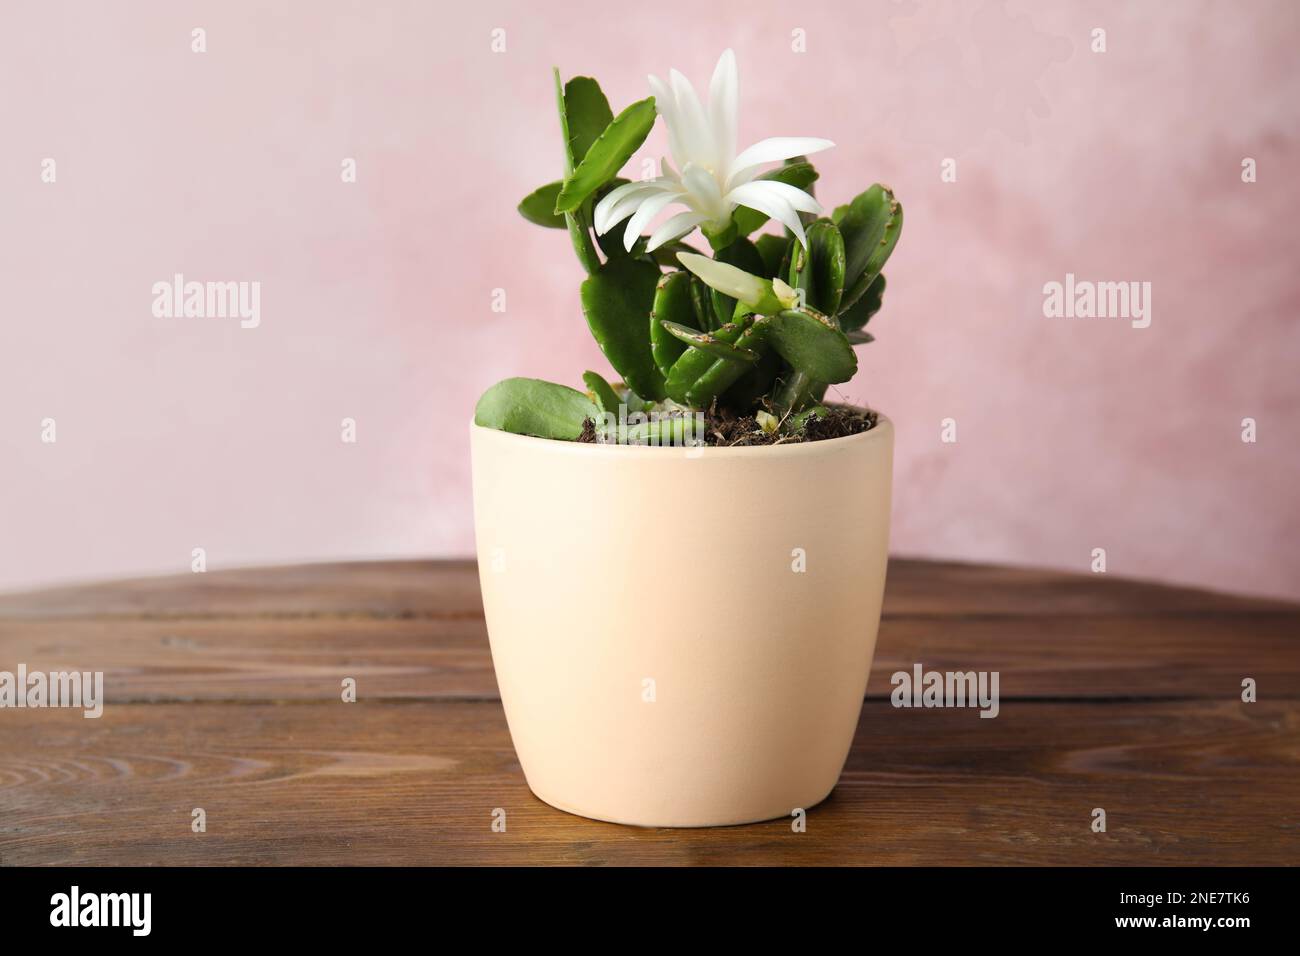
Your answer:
<point x="176" y="433"/>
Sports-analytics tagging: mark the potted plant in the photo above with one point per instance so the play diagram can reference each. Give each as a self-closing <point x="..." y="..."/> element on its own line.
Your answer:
<point x="682" y="570"/>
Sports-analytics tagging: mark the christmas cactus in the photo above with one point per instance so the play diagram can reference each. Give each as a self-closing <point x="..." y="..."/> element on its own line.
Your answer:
<point x="755" y="333"/>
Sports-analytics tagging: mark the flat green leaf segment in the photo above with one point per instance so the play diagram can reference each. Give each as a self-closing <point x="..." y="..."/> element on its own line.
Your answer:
<point x="772" y="250"/>
<point x="576" y="220"/>
<point x="870" y="226"/>
<point x="538" y="207"/>
<point x="695" y="362"/>
<point x="529" y="406"/>
<point x="812" y="344"/>
<point x="588" y="114"/>
<point x="617" y="300"/>
<point x="820" y="267"/>
<point x="600" y="391"/>
<point x="673" y="305"/>
<point x="731" y="366"/>
<point x="614" y="147"/>
<point x="707" y="342"/>
<point x="857" y="315"/>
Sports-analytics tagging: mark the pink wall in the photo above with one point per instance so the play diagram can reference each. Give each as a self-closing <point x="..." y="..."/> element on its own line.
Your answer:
<point x="174" y="433"/>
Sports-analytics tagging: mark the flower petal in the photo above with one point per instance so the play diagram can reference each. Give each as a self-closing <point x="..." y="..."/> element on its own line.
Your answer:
<point x="704" y="192"/>
<point x="724" y="91"/>
<point x="674" y="228"/>
<point x="615" y="195"/>
<point x="769" y="201"/>
<point x="693" y="132"/>
<point x="774" y="150"/>
<point x="789" y="297"/>
<point x="645" y="212"/>
<point x="614" y="205"/>
<point x="626" y="207"/>
<point x="741" y="176"/>
<point x="666" y="106"/>
<point x="795" y="196"/>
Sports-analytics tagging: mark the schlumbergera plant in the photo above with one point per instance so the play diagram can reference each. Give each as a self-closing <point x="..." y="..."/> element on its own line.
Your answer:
<point x="759" y="330"/>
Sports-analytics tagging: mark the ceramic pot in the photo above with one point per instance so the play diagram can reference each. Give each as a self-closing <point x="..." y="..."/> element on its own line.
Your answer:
<point x="682" y="637"/>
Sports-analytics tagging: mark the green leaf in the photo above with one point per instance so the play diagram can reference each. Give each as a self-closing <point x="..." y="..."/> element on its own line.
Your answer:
<point x="801" y="175"/>
<point x="538" y="206"/>
<point x="771" y="248"/>
<point x="788" y="259"/>
<point x="825" y="267"/>
<point x="720" y="238"/>
<point x="633" y="401"/>
<point x="576" y="221"/>
<point x="564" y="126"/>
<point x="588" y="112"/>
<point x="755" y="383"/>
<point x="709" y="342"/>
<point x="607" y="154"/>
<point x="812" y="344"/>
<point x="871" y="228"/>
<point x="726" y="371"/>
<point x="600" y="391"/>
<point x="617" y="299"/>
<point x="694" y="362"/>
<point x="666" y="255"/>
<point x="672" y="304"/>
<point x="529" y="406"/>
<point x="859" y="313"/>
<point x="795" y="391"/>
<point x="859" y="337"/>
<point x="580" y="236"/>
<point x="702" y="302"/>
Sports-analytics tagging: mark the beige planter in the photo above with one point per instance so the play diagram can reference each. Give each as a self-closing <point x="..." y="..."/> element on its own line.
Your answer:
<point x="661" y="661"/>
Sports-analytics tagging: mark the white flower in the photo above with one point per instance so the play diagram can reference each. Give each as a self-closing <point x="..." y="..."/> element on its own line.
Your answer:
<point x="714" y="180"/>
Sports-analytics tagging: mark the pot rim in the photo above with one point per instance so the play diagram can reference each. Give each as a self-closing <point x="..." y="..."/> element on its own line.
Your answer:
<point x="883" y="427"/>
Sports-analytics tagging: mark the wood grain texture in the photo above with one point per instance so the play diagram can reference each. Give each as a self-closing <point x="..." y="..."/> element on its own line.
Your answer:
<point x="417" y="782"/>
<point x="449" y="589"/>
<point x="223" y="693"/>
<point x="271" y="659"/>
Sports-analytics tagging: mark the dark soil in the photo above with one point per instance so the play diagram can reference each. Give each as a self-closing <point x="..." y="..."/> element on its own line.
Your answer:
<point x="840" y="423"/>
<point x="724" y="429"/>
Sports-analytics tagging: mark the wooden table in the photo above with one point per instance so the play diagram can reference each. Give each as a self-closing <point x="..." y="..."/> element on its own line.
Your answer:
<point x="224" y="693"/>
